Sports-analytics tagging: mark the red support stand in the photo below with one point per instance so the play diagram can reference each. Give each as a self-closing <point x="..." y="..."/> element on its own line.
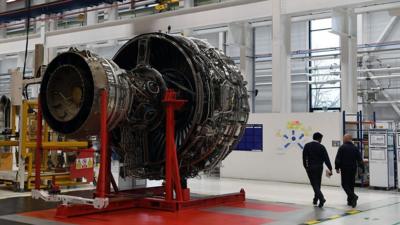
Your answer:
<point x="103" y="183"/>
<point x="172" y="176"/>
<point x="161" y="198"/>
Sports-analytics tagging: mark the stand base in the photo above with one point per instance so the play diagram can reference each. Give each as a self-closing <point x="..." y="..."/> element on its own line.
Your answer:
<point x="122" y="201"/>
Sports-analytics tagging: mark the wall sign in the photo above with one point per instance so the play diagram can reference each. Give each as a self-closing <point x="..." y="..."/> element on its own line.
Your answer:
<point x="252" y="139"/>
<point x="294" y="136"/>
<point x="378" y="140"/>
<point x="377" y="154"/>
<point x="335" y="143"/>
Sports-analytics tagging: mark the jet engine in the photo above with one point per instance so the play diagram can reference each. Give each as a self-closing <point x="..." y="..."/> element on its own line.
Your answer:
<point x="208" y="127"/>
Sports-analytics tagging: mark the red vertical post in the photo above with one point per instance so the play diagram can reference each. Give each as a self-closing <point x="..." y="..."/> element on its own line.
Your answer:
<point x="103" y="183"/>
<point x="38" y="151"/>
<point x="172" y="176"/>
<point x="170" y="140"/>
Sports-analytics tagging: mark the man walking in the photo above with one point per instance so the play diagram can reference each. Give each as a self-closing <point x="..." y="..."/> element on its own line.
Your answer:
<point x="314" y="156"/>
<point x="347" y="159"/>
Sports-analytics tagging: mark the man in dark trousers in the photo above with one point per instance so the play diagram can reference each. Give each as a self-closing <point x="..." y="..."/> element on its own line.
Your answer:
<point x="314" y="156"/>
<point x="347" y="159"/>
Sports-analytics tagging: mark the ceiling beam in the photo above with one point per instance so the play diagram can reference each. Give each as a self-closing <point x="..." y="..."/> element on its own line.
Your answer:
<point x="383" y="37"/>
<point x="217" y="14"/>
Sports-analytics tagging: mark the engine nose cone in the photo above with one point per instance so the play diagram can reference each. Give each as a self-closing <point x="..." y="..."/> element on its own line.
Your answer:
<point x="69" y="93"/>
<point x="65" y="92"/>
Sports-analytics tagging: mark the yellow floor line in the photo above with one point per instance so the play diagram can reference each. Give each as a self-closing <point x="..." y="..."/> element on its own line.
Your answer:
<point x="352" y="212"/>
<point x="334" y="217"/>
<point x="347" y="213"/>
<point x="310" y="222"/>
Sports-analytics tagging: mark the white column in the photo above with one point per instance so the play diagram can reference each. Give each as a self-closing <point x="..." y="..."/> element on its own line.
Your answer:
<point x="221" y="41"/>
<point x="281" y="68"/>
<point x="52" y="23"/>
<point x="50" y="53"/>
<point x="112" y="12"/>
<point x="344" y="68"/>
<point x="3" y="8"/>
<point x="352" y="80"/>
<point x="240" y="34"/>
<point x="188" y="4"/>
<point x="20" y="60"/>
<point x="91" y="16"/>
<point x="41" y="28"/>
<point x="348" y="61"/>
<point x="187" y="32"/>
<point x="21" y="160"/>
<point x="246" y="62"/>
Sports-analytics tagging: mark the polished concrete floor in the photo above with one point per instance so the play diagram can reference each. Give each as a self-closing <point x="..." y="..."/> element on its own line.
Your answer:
<point x="374" y="207"/>
<point x="269" y="203"/>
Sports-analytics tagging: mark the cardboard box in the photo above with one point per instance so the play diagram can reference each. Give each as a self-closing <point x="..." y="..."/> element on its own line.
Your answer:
<point x="6" y="161"/>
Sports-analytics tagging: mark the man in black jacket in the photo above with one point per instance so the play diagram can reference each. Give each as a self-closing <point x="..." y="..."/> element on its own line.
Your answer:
<point x="314" y="155"/>
<point x="347" y="159"/>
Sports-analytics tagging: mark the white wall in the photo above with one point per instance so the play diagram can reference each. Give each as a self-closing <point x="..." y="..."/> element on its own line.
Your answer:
<point x="275" y="163"/>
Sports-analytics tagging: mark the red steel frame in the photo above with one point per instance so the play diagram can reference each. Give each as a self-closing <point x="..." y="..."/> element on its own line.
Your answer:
<point x="172" y="176"/>
<point x="161" y="198"/>
<point x="103" y="183"/>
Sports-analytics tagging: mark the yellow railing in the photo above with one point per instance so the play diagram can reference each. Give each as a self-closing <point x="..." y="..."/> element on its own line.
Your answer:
<point x="27" y="142"/>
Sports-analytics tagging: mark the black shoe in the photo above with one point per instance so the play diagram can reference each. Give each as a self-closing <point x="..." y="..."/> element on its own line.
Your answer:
<point x="354" y="202"/>
<point x="321" y="203"/>
<point x="315" y="201"/>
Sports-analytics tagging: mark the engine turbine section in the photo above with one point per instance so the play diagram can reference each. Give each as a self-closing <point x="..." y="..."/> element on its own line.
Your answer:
<point x="207" y="127"/>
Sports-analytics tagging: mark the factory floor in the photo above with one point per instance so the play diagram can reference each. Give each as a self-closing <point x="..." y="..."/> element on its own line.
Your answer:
<point x="269" y="203"/>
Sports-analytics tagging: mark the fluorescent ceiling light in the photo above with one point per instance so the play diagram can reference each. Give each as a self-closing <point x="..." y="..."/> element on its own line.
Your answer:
<point x="8" y="1"/>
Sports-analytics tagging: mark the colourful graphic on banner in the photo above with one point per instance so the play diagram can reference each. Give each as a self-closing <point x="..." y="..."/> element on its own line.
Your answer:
<point x="295" y="135"/>
<point x="84" y="163"/>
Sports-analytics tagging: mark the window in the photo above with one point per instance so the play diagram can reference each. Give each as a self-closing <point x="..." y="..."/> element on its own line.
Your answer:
<point x="263" y="68"/>
<point x="324" y="66"/>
